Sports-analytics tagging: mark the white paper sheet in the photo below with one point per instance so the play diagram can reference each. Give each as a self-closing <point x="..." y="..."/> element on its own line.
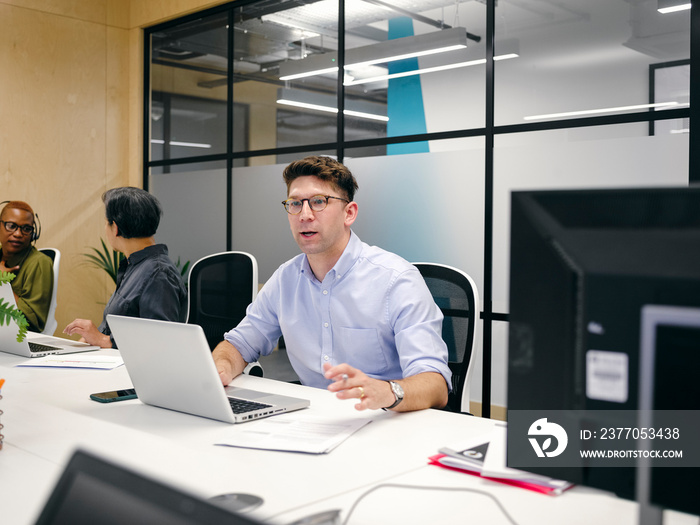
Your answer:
<point x="102" y="362"/>
<point x="298" y="433"/>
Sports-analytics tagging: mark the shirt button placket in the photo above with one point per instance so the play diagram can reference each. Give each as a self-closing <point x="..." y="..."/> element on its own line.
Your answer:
<point x="326" y="331"/>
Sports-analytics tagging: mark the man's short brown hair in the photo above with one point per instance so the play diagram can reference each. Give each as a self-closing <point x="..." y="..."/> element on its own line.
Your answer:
<point x="326" y="169"/>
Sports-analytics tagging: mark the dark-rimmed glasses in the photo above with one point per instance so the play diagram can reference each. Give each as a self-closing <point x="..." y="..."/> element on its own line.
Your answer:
<point x="11" y="227"/>
<point x="316" y="203"/>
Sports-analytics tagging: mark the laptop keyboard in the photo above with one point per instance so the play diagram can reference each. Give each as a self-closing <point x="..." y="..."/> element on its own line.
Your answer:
<point x="241" y="406"/>
<point x="38" y="347"/>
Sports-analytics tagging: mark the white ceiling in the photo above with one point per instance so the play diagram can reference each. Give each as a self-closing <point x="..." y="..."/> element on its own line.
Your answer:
<point x="555" y="34"/>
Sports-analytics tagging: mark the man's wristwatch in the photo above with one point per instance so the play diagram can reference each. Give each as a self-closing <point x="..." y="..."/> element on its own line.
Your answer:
<point x="398" y="394"/>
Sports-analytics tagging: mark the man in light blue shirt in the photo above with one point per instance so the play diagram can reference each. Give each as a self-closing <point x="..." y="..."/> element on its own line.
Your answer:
<point x="356" y="319"/>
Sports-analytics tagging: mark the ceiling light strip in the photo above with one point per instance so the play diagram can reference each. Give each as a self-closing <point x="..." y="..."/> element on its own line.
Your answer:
<point x="404" y="56"/>
<point x="426" y="70"/>
<point x="310" y="73"/>
<point x="379" y="53"/>
<point x="328" y="109"/>
<point x="359" y="65"/>
<point x="602" y="110"/>
<point x="183" y="144"/>
<point x="673" y="9"/>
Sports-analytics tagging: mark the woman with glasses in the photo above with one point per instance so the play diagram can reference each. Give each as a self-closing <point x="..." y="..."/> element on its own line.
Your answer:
<point x="33" y="270"/>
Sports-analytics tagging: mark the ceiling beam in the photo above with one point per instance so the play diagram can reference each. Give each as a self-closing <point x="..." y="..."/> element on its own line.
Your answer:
<point x="420" y="18"/>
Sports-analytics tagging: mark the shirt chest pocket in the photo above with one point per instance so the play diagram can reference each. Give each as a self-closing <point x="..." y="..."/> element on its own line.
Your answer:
<point x="121" y="305"/>
<point x="360" y="348"/>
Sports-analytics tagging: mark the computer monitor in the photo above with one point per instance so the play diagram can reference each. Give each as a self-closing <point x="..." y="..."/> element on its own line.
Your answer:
<point x="669" y="361"/>
<point x="583" y="263"/>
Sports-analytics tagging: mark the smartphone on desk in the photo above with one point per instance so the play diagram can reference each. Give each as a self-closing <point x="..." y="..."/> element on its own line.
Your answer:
<point x="114" y="395"/>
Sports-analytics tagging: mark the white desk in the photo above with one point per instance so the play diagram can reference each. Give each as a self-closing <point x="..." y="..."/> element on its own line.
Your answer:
<point x="48" y="413"/>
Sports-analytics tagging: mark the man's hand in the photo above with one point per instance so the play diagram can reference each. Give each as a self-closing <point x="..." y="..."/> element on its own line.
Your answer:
<point x="88" y="332"/>
<point x="349" y="383"/>
<point x="424" y="390"/>
<point x="229" y="362"/>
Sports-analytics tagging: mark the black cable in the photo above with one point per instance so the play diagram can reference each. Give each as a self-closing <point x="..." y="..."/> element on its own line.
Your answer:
<point x="425" y="487"/>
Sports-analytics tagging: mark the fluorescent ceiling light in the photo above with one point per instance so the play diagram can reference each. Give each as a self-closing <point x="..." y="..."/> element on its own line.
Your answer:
<point x="413" y="54"/>
<point x="183" y="144"/>
<point x="295" y="76"/>
<point x="602" y="110"/>
<point x="672" y="6"/>
<point x="457" y="65"/>
<point x="505" y="57"/>
<point x="327" y="104"/>
<point x="380" y="53"/>
<point x="673" y="9"/>
<point x="328" y="109"/>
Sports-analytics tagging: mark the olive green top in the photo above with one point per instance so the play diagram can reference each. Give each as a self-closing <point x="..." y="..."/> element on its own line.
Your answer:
<point x="33" y="284"/>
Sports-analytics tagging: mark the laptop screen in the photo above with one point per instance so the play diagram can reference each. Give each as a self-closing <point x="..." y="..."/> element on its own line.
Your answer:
<point x="92" y="490"/>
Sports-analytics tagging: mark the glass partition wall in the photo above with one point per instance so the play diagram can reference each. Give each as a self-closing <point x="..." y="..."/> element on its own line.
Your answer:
<point x="443" y="107"/>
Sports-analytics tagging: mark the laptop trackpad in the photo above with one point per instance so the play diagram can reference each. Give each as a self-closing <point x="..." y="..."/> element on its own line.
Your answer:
<point x="244" y="393"/>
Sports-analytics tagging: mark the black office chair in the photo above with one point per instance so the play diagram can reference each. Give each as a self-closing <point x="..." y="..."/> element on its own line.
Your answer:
<point x="220" y="288"/>
<point x="458" y="298"/>
<point x="51" y="323"/>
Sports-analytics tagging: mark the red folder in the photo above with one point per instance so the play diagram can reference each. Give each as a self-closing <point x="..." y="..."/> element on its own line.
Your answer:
<point x="543" y="489"/>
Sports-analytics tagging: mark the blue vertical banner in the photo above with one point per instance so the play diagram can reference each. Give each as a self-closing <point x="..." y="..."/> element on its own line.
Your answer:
<point x="405" y="97"/>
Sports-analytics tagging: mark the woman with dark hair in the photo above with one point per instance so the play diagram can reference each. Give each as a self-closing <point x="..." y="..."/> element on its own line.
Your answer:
<point x="148" y="283"/>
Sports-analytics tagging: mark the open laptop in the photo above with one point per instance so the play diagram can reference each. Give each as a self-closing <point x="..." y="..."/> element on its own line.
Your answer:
<point x="34" y="345"/>
<point x="170" y="365"/>
<point x="93" y="490"/>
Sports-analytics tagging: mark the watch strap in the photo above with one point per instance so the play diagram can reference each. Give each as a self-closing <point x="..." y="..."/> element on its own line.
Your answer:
<point x="398" y="399"/>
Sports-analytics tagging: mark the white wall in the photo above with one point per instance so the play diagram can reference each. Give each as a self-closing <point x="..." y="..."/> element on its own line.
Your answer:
<point x="194" y="213"/>
<point x="260" y="224"/>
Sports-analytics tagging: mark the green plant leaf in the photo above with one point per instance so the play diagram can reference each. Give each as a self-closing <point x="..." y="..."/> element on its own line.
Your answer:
<point x="6" y="277"/>
<point x="181" y="267"/>
<point x="105" y="259"/>
<point x="9" y="313"/>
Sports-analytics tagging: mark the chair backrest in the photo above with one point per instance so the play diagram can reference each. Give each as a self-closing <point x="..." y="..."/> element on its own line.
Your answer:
<point x="51" y="323"/>
<point x="220" y="288"/>
<point x="456" y="295"/>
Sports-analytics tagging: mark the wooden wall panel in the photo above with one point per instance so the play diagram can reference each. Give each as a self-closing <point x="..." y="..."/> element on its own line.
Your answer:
<point x="63" y="132"/>
<point x="150" y="12"/>
<point x="86" y="10"/>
